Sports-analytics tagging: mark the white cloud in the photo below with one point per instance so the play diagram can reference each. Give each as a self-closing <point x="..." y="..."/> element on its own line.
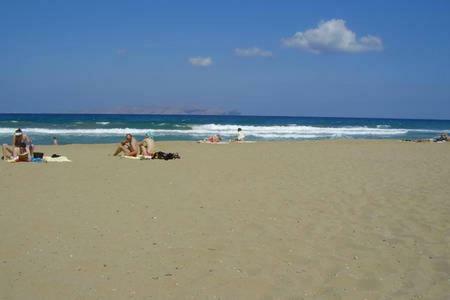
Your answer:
<point x="333" y="36"/>
<point x="254" y="51"/>
<point x="200" y="61"/>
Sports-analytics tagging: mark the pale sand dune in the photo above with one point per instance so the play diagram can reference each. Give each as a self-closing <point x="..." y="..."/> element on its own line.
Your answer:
<point x="284" y="220"/>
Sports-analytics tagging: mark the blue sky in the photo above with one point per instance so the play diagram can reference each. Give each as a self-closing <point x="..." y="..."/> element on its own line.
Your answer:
<point x="306" y="58"/>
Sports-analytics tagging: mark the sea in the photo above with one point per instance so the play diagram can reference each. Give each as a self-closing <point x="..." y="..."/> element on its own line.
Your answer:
<point x="103" y="128"/>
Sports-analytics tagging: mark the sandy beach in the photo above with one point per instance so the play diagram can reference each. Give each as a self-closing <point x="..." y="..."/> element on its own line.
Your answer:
<point x="270" y="220"/>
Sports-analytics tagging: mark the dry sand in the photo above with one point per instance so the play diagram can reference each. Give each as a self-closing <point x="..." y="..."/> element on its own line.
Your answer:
<point x="281" y="220"/>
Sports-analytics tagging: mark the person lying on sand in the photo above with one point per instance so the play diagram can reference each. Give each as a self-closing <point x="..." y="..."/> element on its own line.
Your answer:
<point x="147" y="146"/>
<point x="216" y="138"/>
<point x="129" y="146"/>
<point x="22" y="147"/>
<point x="442" y="138"/>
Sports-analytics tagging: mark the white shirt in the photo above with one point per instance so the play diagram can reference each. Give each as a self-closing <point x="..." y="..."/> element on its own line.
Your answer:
<point x="240" y="136"/>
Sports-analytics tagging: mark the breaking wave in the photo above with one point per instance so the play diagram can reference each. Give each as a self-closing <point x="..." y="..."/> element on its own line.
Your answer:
<point x="260" y="132"/>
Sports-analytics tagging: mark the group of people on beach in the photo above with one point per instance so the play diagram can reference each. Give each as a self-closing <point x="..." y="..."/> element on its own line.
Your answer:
<point x="217" y="138"/>
<point x="131" y="147"/>
<point x="22" y="147"/>
<point x="144" y="149"/>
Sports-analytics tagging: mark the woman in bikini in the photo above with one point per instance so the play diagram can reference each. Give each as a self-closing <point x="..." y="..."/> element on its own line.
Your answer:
<point x="22" y="147"/>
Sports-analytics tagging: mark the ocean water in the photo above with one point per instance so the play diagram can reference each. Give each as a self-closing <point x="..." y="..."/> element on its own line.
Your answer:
<point x="91" y="128"/>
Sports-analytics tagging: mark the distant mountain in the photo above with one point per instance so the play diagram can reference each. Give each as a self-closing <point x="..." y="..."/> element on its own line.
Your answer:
<point x="162" y="110"/>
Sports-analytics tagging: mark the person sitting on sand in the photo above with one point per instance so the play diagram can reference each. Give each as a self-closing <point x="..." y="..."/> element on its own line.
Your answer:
<point x="147" y="146"/>
<point x="240" y="135"/>
<point x="22" y="147"/>
<point x="129" y="146"/>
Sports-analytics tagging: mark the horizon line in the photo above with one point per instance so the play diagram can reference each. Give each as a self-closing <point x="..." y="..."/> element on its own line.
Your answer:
<point x="221" y="115"/>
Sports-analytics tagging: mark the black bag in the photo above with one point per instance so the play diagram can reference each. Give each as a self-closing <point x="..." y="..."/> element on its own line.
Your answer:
<point x="165" y="156"/>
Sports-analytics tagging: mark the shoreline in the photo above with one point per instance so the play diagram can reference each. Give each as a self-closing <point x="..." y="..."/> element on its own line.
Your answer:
<point x="285" y="142"/>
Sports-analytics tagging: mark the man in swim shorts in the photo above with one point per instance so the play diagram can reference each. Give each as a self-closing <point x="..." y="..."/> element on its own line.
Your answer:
<point x="128" y="147"/>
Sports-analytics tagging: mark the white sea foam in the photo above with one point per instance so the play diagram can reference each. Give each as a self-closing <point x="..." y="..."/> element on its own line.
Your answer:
<point x="264" y="132"/>
<point x="102" y="123"/>
<point x="383" y="126"/>
<point x="77" y="132"/>
<point x="293" y="131"/>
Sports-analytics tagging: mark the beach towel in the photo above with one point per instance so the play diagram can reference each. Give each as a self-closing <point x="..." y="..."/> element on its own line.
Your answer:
<point x="130" y="157"/>
<point x="226" y="142"/>
<point x="138" y="157"/>
<point x="56" y="159"/>
<point x="45" y="159"/>
<point x="243" y="142"/>
<point x="213" y="143"/>
<point x="16" y="160"/>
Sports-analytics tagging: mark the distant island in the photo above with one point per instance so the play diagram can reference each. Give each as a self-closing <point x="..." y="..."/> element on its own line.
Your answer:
<point x="161" y="110"/>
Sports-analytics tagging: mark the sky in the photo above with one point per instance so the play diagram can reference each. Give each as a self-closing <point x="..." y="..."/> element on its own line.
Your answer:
<point x="299" y="58"/>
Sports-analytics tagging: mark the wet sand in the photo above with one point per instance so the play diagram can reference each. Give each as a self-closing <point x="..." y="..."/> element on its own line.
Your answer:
<point x="272" y="220"/>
